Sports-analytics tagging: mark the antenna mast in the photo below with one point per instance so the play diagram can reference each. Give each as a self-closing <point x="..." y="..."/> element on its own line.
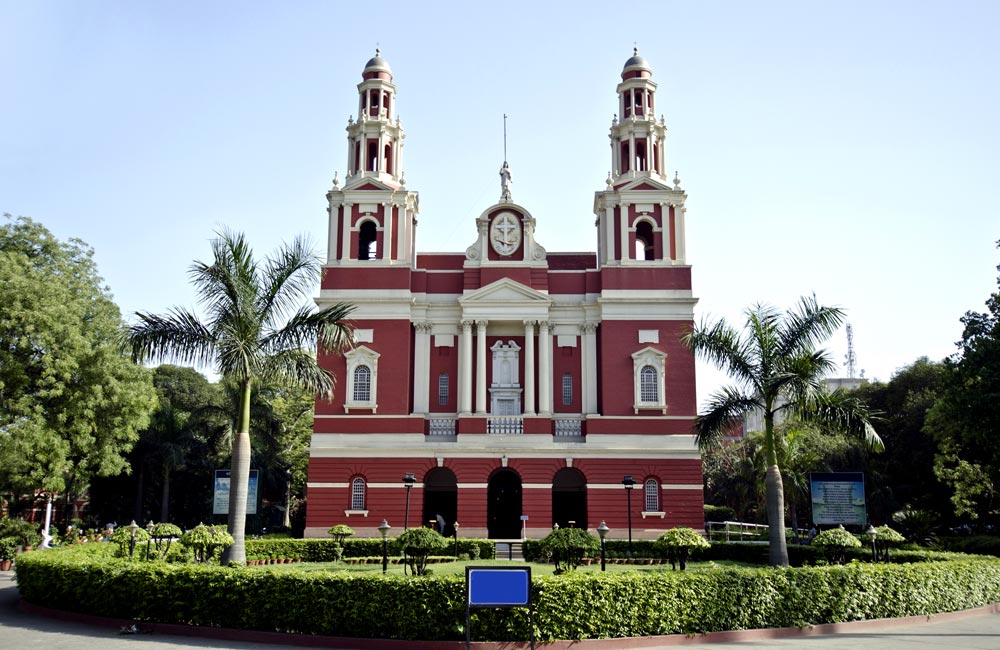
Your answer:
<point x="505" y="137"/>
<point x="850" y="358"/>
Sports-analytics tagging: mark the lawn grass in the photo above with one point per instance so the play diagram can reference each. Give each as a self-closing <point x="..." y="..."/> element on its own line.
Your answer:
<point x="458" y="568"/>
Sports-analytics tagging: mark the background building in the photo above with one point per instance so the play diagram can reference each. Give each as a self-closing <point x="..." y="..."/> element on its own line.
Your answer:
<point x="518" y="387"/>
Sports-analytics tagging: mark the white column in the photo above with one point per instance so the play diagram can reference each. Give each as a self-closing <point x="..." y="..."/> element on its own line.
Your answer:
<point x="529" y="367"/>
<point x="680" y="211"/>
<point x="379" y="166"/>
<point x="631" y="149"/>
<point x="627" y="252"/>
<point x="421" y="367"/>
<point x="345" y="231"/>
<point x="331" y="248"/>
<point x="544" y="369"/>
<point x="465" y="368"/>
<point x="481" y="367"/>
<point x="589" y="388"/>
<point x="609" y="237"/>
<point x="666" y="232"/>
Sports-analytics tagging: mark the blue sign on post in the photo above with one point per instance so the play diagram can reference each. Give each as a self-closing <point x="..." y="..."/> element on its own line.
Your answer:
<point x="493" y="586"/>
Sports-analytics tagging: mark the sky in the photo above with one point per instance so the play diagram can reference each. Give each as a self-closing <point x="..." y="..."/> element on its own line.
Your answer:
<point x="845" y="149"/>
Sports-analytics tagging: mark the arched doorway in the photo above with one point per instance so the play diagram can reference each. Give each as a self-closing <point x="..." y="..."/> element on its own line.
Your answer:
<point x="503" y="505"/>
<point x="569" y="498"/>
<point x="441" y="499"/>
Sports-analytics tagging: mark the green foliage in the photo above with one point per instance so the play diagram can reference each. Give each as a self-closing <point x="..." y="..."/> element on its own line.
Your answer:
<point x="567" y="547"/>
<point x="340" y="532"/>
<point x="123" y="538"/>
<point x="70" y="403"/>
<point x="207" y="542"/>
<point x="25" y="532"/>
<point x="834" y="542"/>
<point x="719" y="513"/>
<point x="677" y="544"/>
<point x="8" y="547"/>
<point x="418" y="544"/>
<point x="575" y="605"/>
<point x="325" y="550"/>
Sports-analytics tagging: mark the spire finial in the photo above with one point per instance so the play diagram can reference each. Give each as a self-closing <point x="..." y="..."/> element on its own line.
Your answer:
<point x="378" y="52"/>
<point x="635" y="51"/>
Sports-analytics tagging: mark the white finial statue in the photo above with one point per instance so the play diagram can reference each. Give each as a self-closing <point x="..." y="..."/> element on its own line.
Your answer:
<point x="505" y="182"/>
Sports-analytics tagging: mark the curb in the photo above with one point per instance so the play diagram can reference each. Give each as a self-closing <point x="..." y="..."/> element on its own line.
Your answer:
<point x="627" y="643"/>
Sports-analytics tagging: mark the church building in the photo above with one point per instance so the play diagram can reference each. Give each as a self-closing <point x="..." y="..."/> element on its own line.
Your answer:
<point x="505" y="389"/>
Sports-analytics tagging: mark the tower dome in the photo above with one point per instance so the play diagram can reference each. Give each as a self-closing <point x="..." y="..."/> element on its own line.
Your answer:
<point x="636" y="66"/>
<point x="377" y="67"/>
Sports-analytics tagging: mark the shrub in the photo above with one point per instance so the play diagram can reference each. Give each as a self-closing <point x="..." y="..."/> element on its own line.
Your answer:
<point x="163" y="535"/>
<point x="24" y="532"/>
<point x="885" y="539"/>
<point x="567" y="547"/>
<point x="340" y="532"/>
<point x="677" y="543"/>
<point x="571" y="606"/>
<point x="8" y="548"/>
<point x="719" y="513"/>
<point x="417" y="544"/>
<point x="834" y="542"/>
<point x="207" y="542"/>
<point x="123" y="537"/>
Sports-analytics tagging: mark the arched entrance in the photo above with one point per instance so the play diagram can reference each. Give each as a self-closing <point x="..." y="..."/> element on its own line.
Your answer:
<point x="441" y="499"/>
<point x="569" y="498"/>
<point x="503" y="505"/>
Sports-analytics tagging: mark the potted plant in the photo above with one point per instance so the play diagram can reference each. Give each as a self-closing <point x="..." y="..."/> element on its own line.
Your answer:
<point x="8" y="547"/>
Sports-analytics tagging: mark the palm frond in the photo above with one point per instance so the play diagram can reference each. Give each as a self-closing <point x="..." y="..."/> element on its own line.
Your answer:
<point x="289" y="278"/>
<point x="808" y="325"/>
<point x="328" y="327"/>
<point x="720" y="344"/>
<point x="724" y="408"/>
<point x="177" y="336"/>
<point x="844" y="413"/>
<point x="298" y="367"/>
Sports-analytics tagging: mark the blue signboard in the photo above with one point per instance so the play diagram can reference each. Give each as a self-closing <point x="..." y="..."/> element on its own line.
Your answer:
<point x="497" y="586"/>
<point x="838" y="498"/>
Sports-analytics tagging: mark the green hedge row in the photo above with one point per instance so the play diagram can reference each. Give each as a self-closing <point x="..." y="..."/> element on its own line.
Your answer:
<point x="324" y="550"/>
<point x="572" y="606"/>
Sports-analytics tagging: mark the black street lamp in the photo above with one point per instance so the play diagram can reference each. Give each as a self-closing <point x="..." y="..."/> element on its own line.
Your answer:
<point x="456" y="540"/>
<point x="384" y="529"/>
<point x="602" y="530"/>
<point x="408" y="481"/>
<point x="629" y="484"/>
<point x="131" y="546"/>
<point x="872" y="534"/>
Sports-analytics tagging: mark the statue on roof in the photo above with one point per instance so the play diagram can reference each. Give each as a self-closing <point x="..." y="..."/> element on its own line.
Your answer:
<point x="505" y="182"/>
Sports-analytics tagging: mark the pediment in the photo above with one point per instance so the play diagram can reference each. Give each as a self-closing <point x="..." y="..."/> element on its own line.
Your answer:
<point x="649" y="352"/>
<point x="370" y="184"/>
<point x="505" y="291"/>
<point x="645" y="184"/>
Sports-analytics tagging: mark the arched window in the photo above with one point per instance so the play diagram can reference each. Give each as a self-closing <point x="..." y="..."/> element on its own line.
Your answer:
<point x="645" y="248"/>
<point x="368" y="241"/>
<point x="362" y="384"/>
<point x="648" y="389"/>
<point x="652" y="495"/>
<point x="358" y="494"/>
<point x="443" y="389"/>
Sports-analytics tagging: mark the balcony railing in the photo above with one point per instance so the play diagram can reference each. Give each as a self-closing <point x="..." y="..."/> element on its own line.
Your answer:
<point x="568" y="427"/>
<point x="444" y="427"/>
<point x="507" y="425"/>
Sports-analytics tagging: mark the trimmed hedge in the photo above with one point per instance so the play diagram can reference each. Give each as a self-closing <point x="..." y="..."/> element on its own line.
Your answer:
<point x="324" y="550"/>
<point x="571" y="606"/>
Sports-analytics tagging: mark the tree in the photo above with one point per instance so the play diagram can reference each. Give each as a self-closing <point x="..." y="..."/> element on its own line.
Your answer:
<point x="568" y="546"/>
<point x="418" y="544"/>
<point x="677" y="544"/>
<point x="257" y="331"/>
<point x="71" y="404"/>
<point x="778" y="371"/>
<point x="965" y="420"/>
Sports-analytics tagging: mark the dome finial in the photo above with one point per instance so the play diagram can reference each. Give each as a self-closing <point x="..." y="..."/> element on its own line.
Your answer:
<point x="635" y="51"/>
<point x="378" y="52"/>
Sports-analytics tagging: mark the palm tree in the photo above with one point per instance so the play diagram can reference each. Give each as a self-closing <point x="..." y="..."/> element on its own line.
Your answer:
<point x="257" y="330"/>
<point x="778" y="371"/>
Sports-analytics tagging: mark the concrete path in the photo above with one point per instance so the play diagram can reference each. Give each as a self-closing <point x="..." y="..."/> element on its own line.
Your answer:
<point x="22" y="631"/>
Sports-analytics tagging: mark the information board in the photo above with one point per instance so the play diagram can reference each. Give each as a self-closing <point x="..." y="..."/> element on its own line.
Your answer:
<point x="495" y="586"/>
<point x="220" y="495"/>
<point x="838" y="498"/>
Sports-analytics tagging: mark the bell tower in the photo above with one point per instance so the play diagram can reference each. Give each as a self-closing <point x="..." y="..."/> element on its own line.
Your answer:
<point x="373" y="216"/>
<point x="640" y="216"/>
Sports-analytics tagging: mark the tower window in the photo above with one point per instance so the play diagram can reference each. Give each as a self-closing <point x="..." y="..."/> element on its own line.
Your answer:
<point x="358" y="494"/>
<point x="652" y="495"/>
<point x="645" y="247"/>
<point x="567" y="389"/>
<point x="362" y="384"/>
<point x="443" y="389"/>
<point x="648" y="389"/>
<point x="626" y="158"/>
<point x="640" y="156"/>
<point x="368" y="241"/>
<point x="372" y="158"/>
<point x="388" y="159"/>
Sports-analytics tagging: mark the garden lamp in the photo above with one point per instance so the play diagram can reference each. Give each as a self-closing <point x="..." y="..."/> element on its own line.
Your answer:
<point x="384" y="530"/>
<point x="131" y="547"/>
<point x="456" y="540"/>
<point x="602" y="530"/>
<point x="872" y="534"/>
<point x="629" y="484"/>
<point x="408" y="481"/>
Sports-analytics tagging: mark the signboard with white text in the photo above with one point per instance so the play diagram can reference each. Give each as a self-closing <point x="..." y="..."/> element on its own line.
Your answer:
<point x="220" y="495"/>
<point x="838" y="498"/>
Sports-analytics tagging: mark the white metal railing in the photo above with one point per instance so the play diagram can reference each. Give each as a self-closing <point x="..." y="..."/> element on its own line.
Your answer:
<point x="441" y="427"/>
<point x="568" y="427"/>
<point x="505" y="425"/>
<point x="735" y="531"/>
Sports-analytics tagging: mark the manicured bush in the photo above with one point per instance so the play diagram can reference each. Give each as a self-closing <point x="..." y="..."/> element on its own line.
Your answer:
<point x="207" y="542"/>
<point x="886" y="538"/>
<point x="325" y="550"/>
<point x="835" y="542"/>
<point x="975" y="544"/>
<point x="24" y="532"/>
<point x="8" y="548"/>
<point x="678" y="543"/>
<point x="418" y="544"/>
<point x="571" y="606"/>
<point x="340" y="532"/>
<point x="128" y="540"/>
<point x="566" y="547"/>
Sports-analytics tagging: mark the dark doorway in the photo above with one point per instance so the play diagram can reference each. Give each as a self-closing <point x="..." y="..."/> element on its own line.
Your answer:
<point x="503" y="507"/>
<point x="569" y="498"/>
<point x="441" y="500"/>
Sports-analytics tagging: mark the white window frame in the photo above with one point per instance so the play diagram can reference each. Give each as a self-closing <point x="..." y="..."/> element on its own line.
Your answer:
<point x="444" y="386"/>
<point x="567" y="389"/>
<point x="649" y="357"/>
<point x="359" y="492"/>
<point x="652" y="493"/>
<point x="361" y="356"/>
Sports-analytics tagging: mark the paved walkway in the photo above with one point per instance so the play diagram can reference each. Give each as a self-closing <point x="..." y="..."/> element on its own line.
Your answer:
<point x="22" y="631"/>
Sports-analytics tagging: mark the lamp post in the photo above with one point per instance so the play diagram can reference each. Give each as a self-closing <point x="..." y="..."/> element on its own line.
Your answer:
<point x="456" y="540"/>
<point x="384" y="529"/>
<point x="131" y="547"/>
<point x="602" y="530"/>
<point x="872" y="534"/>
<point x="408" y="481"/>
<point x="629" y="484"/>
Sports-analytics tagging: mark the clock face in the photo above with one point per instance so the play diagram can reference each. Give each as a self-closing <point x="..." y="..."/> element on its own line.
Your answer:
<point x="505" y="233"/>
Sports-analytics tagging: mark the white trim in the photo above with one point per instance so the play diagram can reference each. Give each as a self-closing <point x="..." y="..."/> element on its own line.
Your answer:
<point x="645" y="514"/>
<point x="348" y="513"/>
<point x="361" y="356"/>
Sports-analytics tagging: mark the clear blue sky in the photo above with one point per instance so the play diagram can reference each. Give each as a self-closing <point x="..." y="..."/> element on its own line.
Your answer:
<point x="848" y="149"/>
